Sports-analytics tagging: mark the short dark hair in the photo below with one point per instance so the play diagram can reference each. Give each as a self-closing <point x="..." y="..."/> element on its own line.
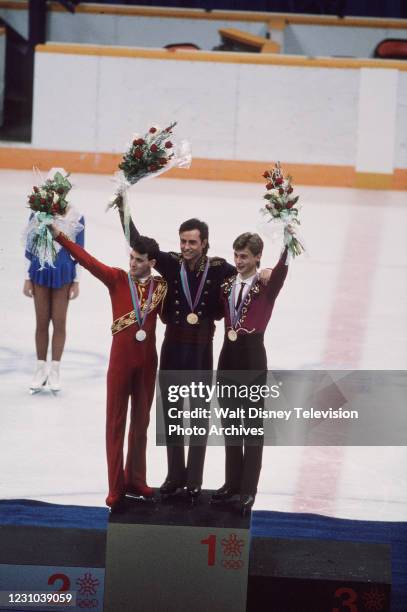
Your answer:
<point x="250" y="241"/>
<point x="201" y="226"/>
<point x="145" y="245"/>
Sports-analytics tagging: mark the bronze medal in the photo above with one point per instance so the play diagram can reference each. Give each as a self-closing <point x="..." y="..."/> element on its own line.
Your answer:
<point x="141" y="335"/>
<point x="232" y="335"/>
<point x="192" y="318"/>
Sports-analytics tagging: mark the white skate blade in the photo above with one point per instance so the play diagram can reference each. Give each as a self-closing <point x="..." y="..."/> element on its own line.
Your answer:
<point x="35" y="390"/>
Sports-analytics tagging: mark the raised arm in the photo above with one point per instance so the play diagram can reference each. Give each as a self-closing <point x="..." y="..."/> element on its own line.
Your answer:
<point x="165" y="261"/>
<point x="229" y="270"/>
<point x="134" y="233"/>
<point x="104" y="273"/>
<point x="278" y="276"/>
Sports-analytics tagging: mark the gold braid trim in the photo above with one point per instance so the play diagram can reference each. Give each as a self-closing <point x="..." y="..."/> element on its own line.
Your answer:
<point x="255" y="290"/>
<point x="130" y="318"/>
<point x="123" y="322"/>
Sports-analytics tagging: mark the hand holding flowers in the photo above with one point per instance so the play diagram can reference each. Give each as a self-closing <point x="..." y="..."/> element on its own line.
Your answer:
<point x="282" y="207"/>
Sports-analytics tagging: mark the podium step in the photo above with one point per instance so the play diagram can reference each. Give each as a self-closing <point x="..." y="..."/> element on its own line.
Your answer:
<point x="49" y="560"/>
<point x="173" y="556"/>
<point x="310" y="575"/>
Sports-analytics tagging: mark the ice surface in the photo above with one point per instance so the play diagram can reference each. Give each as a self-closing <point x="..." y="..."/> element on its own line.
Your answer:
<point x="343" y="306"/>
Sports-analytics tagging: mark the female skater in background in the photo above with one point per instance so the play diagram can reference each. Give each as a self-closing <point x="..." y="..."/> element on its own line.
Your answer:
<point x="52" y="288"/>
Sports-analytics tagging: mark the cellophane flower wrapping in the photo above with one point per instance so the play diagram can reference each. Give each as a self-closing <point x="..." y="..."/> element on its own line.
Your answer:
<point x="148" y="156"/>
<point x="49" y="204"/>
<point x="282" y="207"/>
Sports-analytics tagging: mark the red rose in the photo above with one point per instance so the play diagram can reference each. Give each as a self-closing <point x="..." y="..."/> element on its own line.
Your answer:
<point x="43" y="201"/>
<point x="279" y="181"/>
<point x="290" y="190"/>
<point x="290" y="205"/>
<point x="138" y="154"/>
<point x="154" y="148"/>
<point x="54" y="208"/>
<point x="168" y="145"/>
<point x="162" y="161"/>
<point x="281" y="191"/>
<point x="153" y="167"/>
<point x="36" y="190"/>
<point x="269" y="186"/>
<point x="152" y="130"/>
<point x="32" y="199"/>
<point x="60" y="190"/>
<point x="266" y="174"/>
<point x="277" y="206"/>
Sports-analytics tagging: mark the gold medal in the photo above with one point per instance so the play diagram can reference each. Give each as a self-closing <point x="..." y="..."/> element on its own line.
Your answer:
<point x="141" y="335"/>
<point x="192" y="318"/>
<point x="232" y="335"/>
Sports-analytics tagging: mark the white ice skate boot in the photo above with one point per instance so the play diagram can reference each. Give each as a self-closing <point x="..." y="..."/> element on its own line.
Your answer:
<point x="53" y="377"/>
<point x="40" y="377"/>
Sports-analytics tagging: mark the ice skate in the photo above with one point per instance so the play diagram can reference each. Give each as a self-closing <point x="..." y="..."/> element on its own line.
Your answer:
<point x="40" y="377"/>
<point x="53" y="377"/>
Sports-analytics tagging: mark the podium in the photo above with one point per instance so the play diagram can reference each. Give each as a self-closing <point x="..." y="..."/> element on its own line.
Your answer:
<point x="311" y="575"/>
<point x="174" y="555"/>
<point x="50" y="560"/>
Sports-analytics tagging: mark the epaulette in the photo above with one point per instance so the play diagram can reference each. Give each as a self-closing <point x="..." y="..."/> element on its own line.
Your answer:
<point x="176" y="256"/>
<point x="216" y="261"/>
<point x="227" y="284"/>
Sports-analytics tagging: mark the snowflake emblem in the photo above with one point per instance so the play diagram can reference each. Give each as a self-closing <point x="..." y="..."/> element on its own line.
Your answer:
<point x="374" y="600"/>
<point x="232" y="546"/>
<point x="87" y="585"/>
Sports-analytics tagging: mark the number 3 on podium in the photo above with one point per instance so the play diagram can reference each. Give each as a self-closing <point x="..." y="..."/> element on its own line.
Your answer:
<point x="350" y="603"/>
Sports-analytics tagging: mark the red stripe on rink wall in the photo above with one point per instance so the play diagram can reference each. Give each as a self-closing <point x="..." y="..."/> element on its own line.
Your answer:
<point x="321" y="466"/>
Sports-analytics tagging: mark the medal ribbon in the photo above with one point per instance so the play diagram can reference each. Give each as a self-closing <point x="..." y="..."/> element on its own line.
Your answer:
<point x="233" y="313"/>
<point x="185" y="285"/>
<point x="136" y="302"/>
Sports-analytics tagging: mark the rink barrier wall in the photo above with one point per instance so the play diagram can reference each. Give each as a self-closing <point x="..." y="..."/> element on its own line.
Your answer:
<point x="221" y="57"/>
<point x="24" y="158"/>
<point x="307" y="35"/>
<point x="315" y="113"/>
<point x="2" y="70"/>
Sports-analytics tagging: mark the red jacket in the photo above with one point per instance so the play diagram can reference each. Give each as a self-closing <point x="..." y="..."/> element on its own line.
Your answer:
<point x="116" y="280"/>
<point x="259" y="302"/>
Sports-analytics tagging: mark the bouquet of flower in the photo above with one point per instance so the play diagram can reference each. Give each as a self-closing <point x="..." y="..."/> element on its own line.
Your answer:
<point x="282" y="206"/>
<point x="148" y="156"/>
<point x="46" y="201"/>
<point x="50" y="198"/>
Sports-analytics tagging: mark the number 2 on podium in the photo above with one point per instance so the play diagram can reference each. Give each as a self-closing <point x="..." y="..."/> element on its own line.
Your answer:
<point x="211" y="542"/>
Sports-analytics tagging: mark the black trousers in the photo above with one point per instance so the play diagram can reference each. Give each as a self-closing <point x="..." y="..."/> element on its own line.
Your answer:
<point x="182" y="363"/>
<point x="243" y="362"/>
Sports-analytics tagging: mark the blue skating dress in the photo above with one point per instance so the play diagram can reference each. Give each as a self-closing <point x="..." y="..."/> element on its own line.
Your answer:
<point x="64" y="271"/>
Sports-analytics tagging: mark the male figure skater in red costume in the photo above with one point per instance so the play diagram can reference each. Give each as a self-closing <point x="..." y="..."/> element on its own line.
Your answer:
<point x="136" y="298"/>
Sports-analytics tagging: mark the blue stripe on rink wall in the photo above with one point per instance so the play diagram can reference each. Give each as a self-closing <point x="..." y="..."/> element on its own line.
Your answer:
<point x="30" y="512"/>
